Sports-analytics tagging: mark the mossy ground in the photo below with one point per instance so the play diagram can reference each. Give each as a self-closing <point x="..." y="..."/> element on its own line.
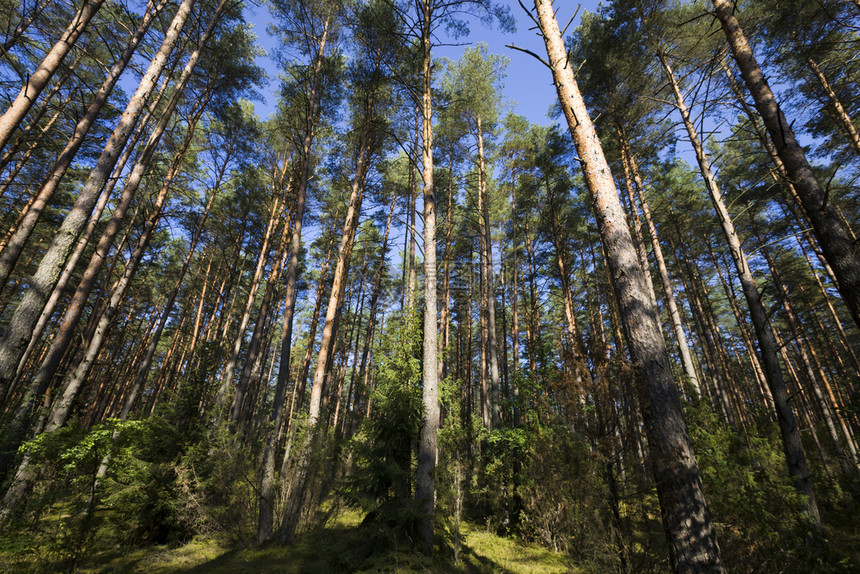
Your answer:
<point x="336" y="547"/>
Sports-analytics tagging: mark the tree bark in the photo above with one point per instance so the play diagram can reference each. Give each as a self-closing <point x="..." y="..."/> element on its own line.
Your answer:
<point x="39" y="79"/>
<point x="834" y="237"/>
<point x="668" y="291"/>
<point x="425" y="484"/>
<point x="690" y="533"/>
<point x="792" y="446"/>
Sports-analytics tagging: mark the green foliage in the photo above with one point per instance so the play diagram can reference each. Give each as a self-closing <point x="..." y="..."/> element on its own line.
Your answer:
<point x="380" y="481"/>
<point x="758" y="513"/>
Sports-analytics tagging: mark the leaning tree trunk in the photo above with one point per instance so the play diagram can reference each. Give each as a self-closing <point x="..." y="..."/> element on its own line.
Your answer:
<point x="20" y="329"/>
<point x="834" y="237"/>
<point x="37" y="81"/>
<point x="323" y="368"/>
<point x="792" y="445"/>
<point x="92" y="224"/>
<point x="15" y="245"/>
<point x="690" y="533"/>
<point x="841" y="114"/>
<point x="265" y="523"/>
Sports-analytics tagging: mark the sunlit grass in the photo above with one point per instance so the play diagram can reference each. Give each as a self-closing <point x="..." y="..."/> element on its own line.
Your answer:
<point x="337" y="547"/>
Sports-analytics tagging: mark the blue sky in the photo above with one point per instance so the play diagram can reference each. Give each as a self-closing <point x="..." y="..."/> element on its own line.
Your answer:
<point x="528" y="87"/>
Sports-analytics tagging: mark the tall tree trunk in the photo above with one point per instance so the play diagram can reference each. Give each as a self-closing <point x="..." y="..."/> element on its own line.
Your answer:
<point x="265" y="524"/>
<point x="66" y="331"/>
<point x="62" y="406"/>
<point x="350" y="227"/>
<point x="671" y="304"/>
<point x="489" y="284"/>
<point x="329" y="335"/>
<point x="848" y="465"/>
<point x="515" y="316"/>
<point x="425" y="485"/>
<point x="834" y="237"/>
<point x="20" y="329"/>
<point x="792" y="445"/>
<point x="37" y="81"/>
<point x="690" y="533"/>
<point x="841" y="115"/>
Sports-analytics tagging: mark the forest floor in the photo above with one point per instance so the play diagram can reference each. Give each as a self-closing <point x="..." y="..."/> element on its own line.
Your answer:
<point x="335" y="547"/>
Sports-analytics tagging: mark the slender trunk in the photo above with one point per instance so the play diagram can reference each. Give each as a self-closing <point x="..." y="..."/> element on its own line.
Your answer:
<point x="575" y="350"/>
<point x="12" y="249"/>
<point x="489" y="285"/>
<point x="841" y="115"/>
<point x="425" y="485"/>
<point x="66" y="331"/>
<point x="769" y="351"/>
<point x="265" y="524"/>
<point x="339" y="279"/>
<point x="847" y="464"/>
<point x="445" y="312"/>
<point x="668" y="291"/>
<point x="329" y="335"/>
<point x="374" y="297"/>
<point x="20" y="330"/>
<point x="37" y="81"/>
<point x="690" y="533"/>
<point x="636" y="223"/>
<point x="740" y="320"/>
<point x="63" y="405"/>
<point x="255" y="345"/>
<point x="515" y="317"/>
<point x="840" y="249"/>
<point x="83" y="240"/>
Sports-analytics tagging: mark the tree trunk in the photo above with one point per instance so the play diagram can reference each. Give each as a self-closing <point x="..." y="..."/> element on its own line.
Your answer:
<point x="37" y="81"/>
<point x="841" y="115"/>
<point x="690" y="533"/>
<point x="425" y="485"/>
<point x="792" y="446"/>
<point x="20" y="330"/>
<point x="834" y="237"/>
<point x="671" y="304"/>
<point x="66" y="330"/>
<point x="83" y="240"/>
<point x="489" y="285"/>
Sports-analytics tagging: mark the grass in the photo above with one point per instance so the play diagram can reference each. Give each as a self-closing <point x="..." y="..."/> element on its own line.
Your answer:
<point x="336" y="547"/>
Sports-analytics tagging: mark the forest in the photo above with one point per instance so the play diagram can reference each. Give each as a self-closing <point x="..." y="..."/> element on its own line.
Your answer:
<point x="396" y="326"/>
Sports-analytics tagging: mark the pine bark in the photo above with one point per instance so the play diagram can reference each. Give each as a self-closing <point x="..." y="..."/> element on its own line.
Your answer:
<point x="425" y="484"/>
<point x="690" y="533"/>
<point x="668" y="291"/>
<point x="768" y="349"/>
<point x="489" y="285"/>
<point x="840" y="249"/>
<point x="37" y="81"/>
